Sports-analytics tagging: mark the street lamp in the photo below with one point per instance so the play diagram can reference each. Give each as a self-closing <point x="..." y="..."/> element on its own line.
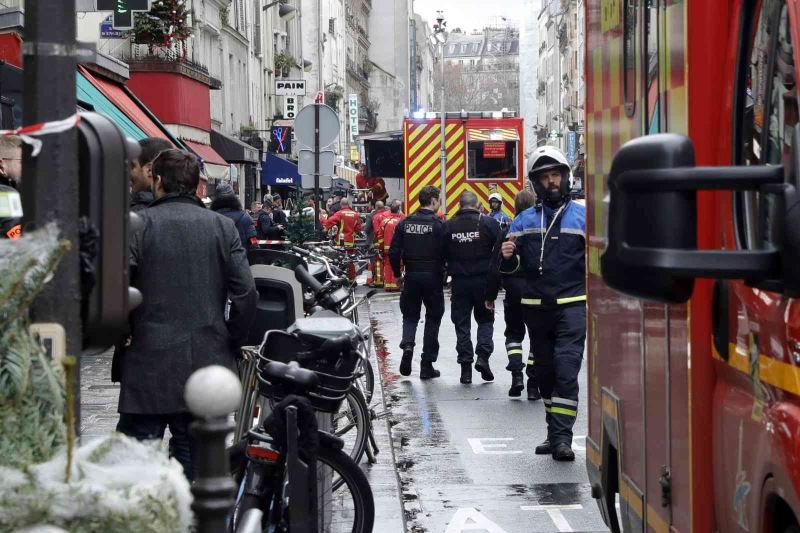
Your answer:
<point x="440" y="36"/>
<point x="285" y="11"/>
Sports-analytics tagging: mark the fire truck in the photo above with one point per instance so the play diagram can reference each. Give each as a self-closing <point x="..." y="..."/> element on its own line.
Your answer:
<point x="693" y="264"/>
<point x="484" y="155"/>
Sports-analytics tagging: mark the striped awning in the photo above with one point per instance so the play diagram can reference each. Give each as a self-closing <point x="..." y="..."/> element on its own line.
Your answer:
<point x="501" y="134"/>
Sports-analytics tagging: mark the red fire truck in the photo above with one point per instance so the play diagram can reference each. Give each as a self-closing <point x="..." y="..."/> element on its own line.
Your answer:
<point x="484" y="155"/>
<point x="693" y="229"/>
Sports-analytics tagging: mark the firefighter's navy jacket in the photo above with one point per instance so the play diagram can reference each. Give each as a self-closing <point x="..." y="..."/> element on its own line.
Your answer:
<point x="469" y="239"/>
<point x="418" y="243"/>
<point x="562" y="276"/>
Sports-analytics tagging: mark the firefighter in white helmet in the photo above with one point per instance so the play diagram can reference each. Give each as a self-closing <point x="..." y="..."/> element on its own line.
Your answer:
<point x="496" y="209"/>
<point x="548" y="244"/>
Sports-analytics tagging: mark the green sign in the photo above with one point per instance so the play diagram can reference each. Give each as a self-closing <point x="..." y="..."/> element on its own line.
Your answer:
<point x="123" y="11"/>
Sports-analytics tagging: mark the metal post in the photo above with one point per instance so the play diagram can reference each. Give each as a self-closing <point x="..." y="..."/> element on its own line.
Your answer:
<point x="444" y="146"/>
<point x="316" y="164"/>
<point x="213" y="489"/>
<point x="50" y="181"/>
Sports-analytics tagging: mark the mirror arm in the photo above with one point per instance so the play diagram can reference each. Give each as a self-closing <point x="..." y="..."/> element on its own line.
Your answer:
<point x="715" y="264"/>
<point x="698" y="179"/>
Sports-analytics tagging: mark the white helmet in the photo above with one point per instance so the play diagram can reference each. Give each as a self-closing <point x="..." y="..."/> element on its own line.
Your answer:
<point x="496" y="196"/>
<point x="547" y="158"/>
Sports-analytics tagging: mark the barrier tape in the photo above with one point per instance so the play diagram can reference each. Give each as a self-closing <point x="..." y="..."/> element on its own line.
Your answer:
<point x="274" y="242"/>
<point x="27" y="133"/>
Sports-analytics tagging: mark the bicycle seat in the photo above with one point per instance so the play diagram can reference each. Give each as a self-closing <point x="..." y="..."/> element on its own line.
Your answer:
<point x="290" y="374"/>
<point x="323" y="326"/>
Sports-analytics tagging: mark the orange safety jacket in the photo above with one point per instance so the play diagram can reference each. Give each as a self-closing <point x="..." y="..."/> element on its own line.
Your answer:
<point x="388" y="228"/>
<point x="348" y="222"/>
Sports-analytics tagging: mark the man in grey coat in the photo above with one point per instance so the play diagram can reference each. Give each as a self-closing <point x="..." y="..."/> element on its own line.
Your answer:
<point x="187" y="261"/>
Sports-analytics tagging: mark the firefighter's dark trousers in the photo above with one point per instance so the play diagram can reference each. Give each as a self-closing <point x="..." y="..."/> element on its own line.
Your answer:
<point x="557" y="340"/>
<point x="468" y="298"/>
<point x="422" y="288"/>
<point x="515" y="324"/>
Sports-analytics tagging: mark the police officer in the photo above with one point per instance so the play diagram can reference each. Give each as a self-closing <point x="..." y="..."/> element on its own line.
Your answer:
<point x="512" y="310"/>
<point x="496" y="209"/>
<point x="548" y="243"/>
<point x="469" y="239"/>
<point x="417" y="243"/>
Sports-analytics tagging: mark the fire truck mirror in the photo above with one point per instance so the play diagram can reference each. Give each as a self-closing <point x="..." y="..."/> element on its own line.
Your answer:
<point x="653" y="225"/>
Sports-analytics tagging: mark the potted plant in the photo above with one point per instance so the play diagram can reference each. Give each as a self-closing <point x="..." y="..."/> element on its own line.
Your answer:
<point x="284" y="62"/>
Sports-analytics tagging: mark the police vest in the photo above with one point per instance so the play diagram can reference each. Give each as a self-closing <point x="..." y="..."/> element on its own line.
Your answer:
<point x="465" y="241"/>
<point x="421" y="252"/>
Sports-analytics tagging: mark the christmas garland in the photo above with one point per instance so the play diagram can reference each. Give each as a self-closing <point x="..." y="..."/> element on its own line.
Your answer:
<point x="166" y="23"/>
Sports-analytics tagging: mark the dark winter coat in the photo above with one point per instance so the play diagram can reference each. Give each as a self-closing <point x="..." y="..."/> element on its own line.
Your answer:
<point x="141" y="200"/>
<point x="231" y="207"/>
<point x="187" y="261"/>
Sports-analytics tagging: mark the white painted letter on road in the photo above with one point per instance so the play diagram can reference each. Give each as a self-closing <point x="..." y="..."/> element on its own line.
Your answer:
<point x="483" y="446"/>
<point x="469" y="519"/>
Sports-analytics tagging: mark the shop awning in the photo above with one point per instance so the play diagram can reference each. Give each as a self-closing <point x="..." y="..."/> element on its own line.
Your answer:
<point x="117" y="94"/>
<point x="90" y="97"/>
<point x="278" y="171"/>
<point x="233" y="150"/>
<point x="216" y="167"/>
<point x="501" y="134"/>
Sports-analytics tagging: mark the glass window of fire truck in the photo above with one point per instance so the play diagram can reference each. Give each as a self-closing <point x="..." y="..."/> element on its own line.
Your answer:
<point x="494" y="160"/>
<point x="768" y="116"/>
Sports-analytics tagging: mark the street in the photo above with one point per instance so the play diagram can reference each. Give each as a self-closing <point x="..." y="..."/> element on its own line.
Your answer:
<point x="461" y="457"/>
<point x="465" y="452"/>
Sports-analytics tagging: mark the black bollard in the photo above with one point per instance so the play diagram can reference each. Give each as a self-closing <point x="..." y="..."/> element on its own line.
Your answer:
<point x="213" y="488"/>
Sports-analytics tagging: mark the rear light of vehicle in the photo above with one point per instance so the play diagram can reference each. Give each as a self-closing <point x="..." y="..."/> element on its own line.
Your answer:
<point x="266" y="454"/>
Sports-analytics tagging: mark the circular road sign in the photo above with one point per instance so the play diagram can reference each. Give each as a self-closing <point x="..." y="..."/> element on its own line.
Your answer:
<point x="304" y="125"/>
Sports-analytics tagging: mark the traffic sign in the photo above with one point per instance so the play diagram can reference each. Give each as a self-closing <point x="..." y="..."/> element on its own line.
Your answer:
<point x="305" y="162"/>
<point x="304" y="126"/>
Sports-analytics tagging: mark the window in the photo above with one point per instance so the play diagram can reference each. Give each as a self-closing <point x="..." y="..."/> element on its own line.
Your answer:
<point x="332" y="26"/>
<point x="492" y="160"/>
<point x="651" y="89"/>
<point x="767" y="113"/>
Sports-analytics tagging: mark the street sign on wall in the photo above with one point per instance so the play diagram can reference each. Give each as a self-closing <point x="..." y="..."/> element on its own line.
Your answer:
<point x="572" y="147"/>
<point x="289" y="107"/>
<point x="107" y="30"/>
<point x="290" y="87"/>
<point x="352" y="114"/>
<point x="123" y="11"/>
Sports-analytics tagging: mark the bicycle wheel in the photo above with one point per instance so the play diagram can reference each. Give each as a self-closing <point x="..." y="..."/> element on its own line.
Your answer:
<point x="368" y="380"/>
<point x="351" y="424"/>
<point x="345" y="501"/>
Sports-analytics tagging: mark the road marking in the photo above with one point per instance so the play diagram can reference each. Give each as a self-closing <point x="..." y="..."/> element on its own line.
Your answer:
<point x="482" y="446"/>
<point x="555" y="514"/>
<point x="469" y="519"/>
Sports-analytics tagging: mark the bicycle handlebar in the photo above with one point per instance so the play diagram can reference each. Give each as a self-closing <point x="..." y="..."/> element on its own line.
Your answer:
<point x="306" y="279"/>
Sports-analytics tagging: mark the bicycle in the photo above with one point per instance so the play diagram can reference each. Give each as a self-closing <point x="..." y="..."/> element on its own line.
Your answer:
<point x="281" y="466"/>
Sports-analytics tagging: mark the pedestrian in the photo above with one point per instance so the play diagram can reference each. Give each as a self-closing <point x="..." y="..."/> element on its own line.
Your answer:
<point x="374" y="223"/>
<point x="142" y="172"/>
<point x="369" y="231"/>
<point x="187" y="262"/>
<point x="388" y="228"/>
<point x="496" y="210"/>
<point x="227" y="203"/>
<point x="278" y="215"/>
<point x="263" y="221"/>
<point x="469" y="239"/>
<point x="348" y="223"/>
<point x="513" y="285"/>
<point x="10" y="184"/>
<point x="548" y="244"/>
<point x="417" y="247"/>
<point x="255" y="207"/>
<point x="336" y="203"/>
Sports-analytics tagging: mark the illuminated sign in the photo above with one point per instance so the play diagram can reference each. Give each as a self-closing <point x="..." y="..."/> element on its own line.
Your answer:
<point x="494" y="150"/>
<point x="123" y="11"/>
<point x="280" y="140"/>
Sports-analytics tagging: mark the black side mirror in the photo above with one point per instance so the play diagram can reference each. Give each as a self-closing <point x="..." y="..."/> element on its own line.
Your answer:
<point x="105" y="155"/>
<point x="652" y="239"/>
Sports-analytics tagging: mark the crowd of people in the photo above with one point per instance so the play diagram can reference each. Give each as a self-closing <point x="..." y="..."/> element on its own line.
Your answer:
<point x="538" y="258"/>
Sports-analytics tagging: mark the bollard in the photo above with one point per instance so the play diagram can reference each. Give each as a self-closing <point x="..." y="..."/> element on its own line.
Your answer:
<point x="211" y="394"/>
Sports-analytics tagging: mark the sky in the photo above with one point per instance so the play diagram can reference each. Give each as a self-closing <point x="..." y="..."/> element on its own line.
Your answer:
<point x="470" y="14"/>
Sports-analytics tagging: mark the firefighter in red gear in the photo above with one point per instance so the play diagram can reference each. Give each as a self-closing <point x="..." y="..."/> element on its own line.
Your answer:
<point x="377" y="225"/>
<point x="348" y="223"/>
<point x="388" y="226"/>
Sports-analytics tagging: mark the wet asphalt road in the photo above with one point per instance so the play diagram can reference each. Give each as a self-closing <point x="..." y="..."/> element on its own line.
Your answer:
<point x="464" y="454"/>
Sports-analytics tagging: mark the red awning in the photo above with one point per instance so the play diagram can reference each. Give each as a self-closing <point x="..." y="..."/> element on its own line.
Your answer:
<point x="206" y="153"/>
<point x="127" y="105"/>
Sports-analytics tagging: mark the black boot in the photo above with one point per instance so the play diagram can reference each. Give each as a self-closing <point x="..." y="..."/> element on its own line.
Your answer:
<point x="405" y="363"/>
<point x="517" y="384"/>
<point x="466" y="373"/>
<point x="482" y="366"/>
<point x="533" y="390"/>
<point x="563" y="452"/>
<point x="427" y="371"/>
<point x="544" y="448"/>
